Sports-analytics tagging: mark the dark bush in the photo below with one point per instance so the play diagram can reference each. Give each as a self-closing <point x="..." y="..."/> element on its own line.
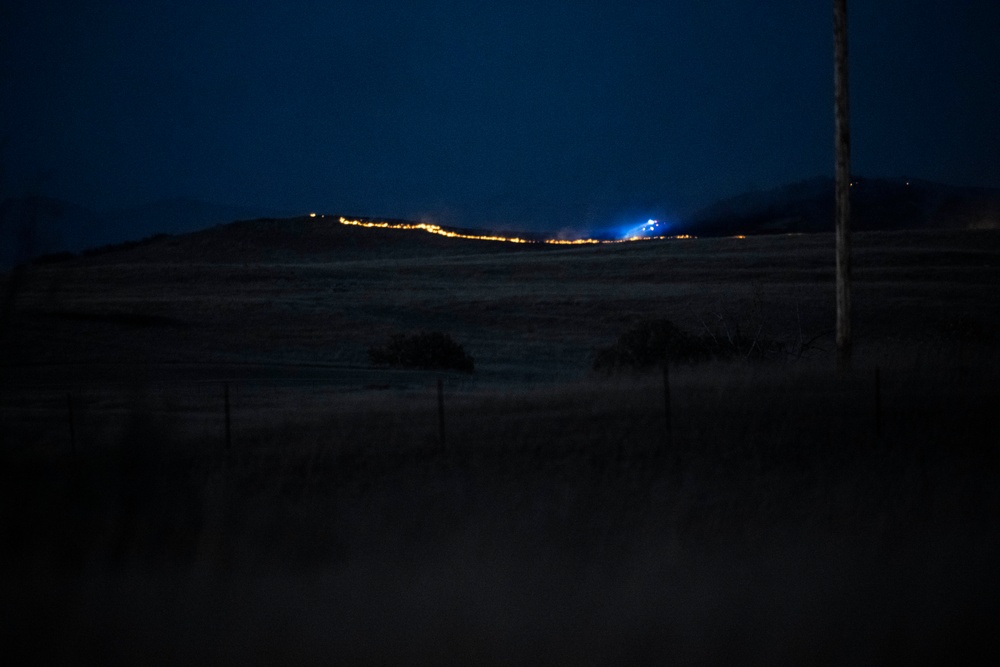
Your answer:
<point x="648" y="343"/>
<point x="726" y="343"/>
<point x="431" y="350"/>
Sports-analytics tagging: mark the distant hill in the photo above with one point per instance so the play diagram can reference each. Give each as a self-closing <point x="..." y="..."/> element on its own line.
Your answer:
<point x="303" y="238"/>
<point x="36" y="226"/>
<point x="876" y="204"/>
<point x="33" y="226"/>
<point x="179" y="216"/>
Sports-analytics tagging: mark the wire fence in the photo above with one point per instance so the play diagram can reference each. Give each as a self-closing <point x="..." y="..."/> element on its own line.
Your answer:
<point x="227" y="413"/>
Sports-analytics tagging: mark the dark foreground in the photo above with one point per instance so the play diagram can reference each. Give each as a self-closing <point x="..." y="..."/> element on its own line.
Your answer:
<point x="796" y="516"/>
<point x="787" y="522"/>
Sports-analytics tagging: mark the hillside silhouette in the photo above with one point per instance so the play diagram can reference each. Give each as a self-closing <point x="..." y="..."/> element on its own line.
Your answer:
<point x="876" y="205"/>
<point x="182" y="229"/>
<point x="36" y="226"/>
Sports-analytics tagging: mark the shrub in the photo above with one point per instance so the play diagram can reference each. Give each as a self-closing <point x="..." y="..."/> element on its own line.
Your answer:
<point x="426" y="350"/>
<point x="728" y="341"/>
<point x="648" y="343"/>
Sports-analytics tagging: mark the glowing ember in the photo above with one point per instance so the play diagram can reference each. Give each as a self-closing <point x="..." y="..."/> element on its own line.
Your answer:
<point x="435" y="229"/>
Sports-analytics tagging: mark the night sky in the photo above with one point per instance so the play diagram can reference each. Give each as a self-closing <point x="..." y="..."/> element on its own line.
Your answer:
<point x="540" y="114"/>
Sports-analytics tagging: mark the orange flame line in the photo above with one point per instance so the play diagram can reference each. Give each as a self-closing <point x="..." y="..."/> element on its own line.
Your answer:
<point x="435" y="229"/>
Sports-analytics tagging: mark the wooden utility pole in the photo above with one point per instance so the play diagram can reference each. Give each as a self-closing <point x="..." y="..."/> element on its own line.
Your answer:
<point x="842" y="131"/>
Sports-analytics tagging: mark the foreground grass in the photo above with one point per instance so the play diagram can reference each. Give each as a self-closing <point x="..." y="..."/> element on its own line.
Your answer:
<point x="556" y="526"/>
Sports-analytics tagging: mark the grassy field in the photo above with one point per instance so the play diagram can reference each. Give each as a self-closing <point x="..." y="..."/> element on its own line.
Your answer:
<point x="315" y="292"/>
<point x="791" y="515"/>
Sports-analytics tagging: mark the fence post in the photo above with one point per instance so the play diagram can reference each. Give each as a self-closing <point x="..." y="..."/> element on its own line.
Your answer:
<point x="229" y="438"/>
<point x="440" y="393"/>
<point x="72" y="424"/>
<point x="668" y="440"/>
<point x="878" y="403"/>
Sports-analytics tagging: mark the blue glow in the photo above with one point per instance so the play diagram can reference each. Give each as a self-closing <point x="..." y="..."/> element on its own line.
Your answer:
<point x="644" y="230"/>
<point x="648" y="228"/>
<point x="632" y="228"/>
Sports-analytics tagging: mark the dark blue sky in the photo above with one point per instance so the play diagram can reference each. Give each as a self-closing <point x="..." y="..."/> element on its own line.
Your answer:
<point x="541" y="114"/>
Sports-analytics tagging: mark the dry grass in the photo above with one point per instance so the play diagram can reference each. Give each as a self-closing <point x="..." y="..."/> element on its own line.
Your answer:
<point x="540" y="313"/>
<point x="556" y="527"/>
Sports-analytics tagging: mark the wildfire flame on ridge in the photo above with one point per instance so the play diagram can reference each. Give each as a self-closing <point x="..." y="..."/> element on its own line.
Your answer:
<point x="440" y="231"/>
